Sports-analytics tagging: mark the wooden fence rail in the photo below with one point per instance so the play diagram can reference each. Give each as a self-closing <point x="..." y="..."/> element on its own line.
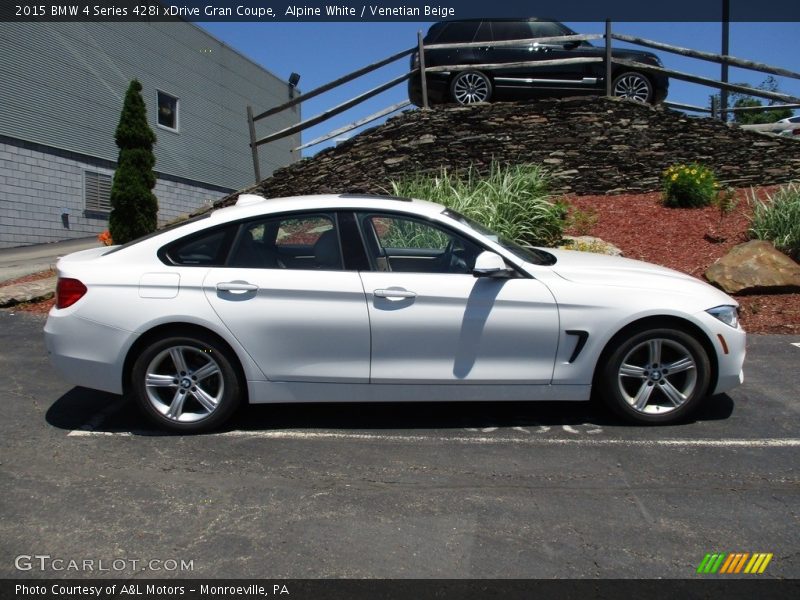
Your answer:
<point x="608" y="60"/>
<point x="731" y="87"/>
<point x="708" y="56"/>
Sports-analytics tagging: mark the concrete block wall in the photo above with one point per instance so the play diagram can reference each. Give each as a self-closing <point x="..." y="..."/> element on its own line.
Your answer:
<point x="42" y="195"/>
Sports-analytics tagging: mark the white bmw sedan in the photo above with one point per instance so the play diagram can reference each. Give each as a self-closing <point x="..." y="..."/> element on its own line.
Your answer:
<point x="357" y="298"/>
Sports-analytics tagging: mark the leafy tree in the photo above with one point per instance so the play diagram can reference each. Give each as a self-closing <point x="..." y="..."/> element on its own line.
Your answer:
<point x="754" y="117"/>
<point x="134" y="207"/>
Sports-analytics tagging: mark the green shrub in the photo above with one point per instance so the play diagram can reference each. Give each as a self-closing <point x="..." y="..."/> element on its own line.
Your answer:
<point x="688" y="186"/>
<point x="777" y="219"/>
<point x="514" y="201"/>
<point x="582" y="221"/>
<point x="134" y="207"/>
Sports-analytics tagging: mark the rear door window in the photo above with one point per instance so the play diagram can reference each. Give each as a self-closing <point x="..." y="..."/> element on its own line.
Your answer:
<point x="511" y="30"/>
<point x="458" y="32"/>
<point x="207" y="248"/>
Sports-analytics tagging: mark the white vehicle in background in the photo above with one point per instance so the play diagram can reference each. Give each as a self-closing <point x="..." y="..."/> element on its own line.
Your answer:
<point x="366" y="299"/>
<point x="790" y="126"/>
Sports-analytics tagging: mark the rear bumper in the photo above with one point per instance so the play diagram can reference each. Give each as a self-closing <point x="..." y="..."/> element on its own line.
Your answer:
<point x="86" y="353"/>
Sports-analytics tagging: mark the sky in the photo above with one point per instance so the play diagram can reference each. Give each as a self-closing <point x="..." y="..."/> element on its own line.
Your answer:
<point x="321" y="52"/>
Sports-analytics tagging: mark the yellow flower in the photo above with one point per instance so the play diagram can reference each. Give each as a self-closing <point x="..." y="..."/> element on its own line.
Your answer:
<point x="694" y="171"/>
<point x="674" y="177"/>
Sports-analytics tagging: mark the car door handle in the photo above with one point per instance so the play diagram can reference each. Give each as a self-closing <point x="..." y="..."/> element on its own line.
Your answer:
<point x="394" y="293"/>
<point x="236" y="286"/>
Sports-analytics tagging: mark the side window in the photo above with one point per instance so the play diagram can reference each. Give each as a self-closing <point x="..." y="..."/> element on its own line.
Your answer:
<point x="458" y="32"/>
<point x="546" y="29"/>
<point x="207" y="248"/>
<point x="484" y="32"/>
<point x="511" y="30"/>
<point x="288" y="242"/>
<point x="399" y="243"/>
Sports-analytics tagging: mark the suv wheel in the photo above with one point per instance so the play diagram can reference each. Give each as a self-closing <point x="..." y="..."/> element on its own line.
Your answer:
<point x="633" y="86"/>
<point x="470" y="87"/>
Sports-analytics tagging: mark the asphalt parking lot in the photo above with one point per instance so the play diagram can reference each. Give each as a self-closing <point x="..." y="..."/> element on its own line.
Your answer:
<point x="521" y="490"/>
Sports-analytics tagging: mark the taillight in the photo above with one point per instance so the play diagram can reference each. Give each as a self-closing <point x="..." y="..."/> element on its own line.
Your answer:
<point x="68" y="292"/>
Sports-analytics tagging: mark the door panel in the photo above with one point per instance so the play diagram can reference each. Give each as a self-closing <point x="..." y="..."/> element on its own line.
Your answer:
<point x="297" y="325"/>
<point x="452" y="328"/>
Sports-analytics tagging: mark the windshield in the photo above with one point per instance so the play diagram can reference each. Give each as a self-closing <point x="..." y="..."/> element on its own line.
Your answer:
<point x="526" y="253"/>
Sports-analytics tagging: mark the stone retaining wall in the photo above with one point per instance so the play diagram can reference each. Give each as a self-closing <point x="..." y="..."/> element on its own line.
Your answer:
<point x="591" y="145"/>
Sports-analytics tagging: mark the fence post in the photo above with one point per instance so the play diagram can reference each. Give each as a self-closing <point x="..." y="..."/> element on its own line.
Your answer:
<point x="423" y="80"/>
<point x="251" y="124"/>
<point x="608" y="58"/>
<point x="714" y="106"/>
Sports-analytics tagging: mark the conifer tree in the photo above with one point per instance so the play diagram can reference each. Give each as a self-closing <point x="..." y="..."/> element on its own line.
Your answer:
<point x="134" y="207"/>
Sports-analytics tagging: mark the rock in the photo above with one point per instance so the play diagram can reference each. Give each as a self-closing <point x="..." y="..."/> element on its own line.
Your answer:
<point x="755" y="266"/>
<point x="30" y="291"/>
<point x="588" y="243"/>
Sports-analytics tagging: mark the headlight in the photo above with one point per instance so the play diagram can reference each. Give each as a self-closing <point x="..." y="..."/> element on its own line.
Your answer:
<point x="727" y="314"/>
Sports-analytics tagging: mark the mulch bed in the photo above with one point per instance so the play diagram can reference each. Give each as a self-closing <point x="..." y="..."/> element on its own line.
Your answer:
<point x="688" y="240"/>
<point x="685" y="239"/>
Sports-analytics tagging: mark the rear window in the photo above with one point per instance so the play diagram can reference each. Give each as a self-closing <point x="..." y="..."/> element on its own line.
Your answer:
<point x="456" y="32"/>
<point x="511" y="30"/>
<point x="159" y="232"/>
<point x="206" y="248"/>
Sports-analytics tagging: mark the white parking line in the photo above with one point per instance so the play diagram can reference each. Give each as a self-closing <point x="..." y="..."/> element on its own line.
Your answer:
<point x="797" y="344"/>
<point x="527" y="441"/>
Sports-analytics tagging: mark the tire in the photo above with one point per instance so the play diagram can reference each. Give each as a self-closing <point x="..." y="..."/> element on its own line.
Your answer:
<point x="470" y="87"/>
<point x="634" y="86"/>
<point x="656" y="376"/>
<point x="186" y="383"/>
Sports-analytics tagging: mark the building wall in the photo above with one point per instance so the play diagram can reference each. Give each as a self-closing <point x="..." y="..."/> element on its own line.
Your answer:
<point x="39" y="185"/>
<point x="62" y="87"/>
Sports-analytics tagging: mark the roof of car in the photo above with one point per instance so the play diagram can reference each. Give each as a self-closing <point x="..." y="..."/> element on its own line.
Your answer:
<point x="253" y="207"/>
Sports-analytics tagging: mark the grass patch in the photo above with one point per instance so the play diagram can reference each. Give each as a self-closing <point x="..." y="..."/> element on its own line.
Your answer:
<point x="777" y="219"/>
<point x="514" y="201"/>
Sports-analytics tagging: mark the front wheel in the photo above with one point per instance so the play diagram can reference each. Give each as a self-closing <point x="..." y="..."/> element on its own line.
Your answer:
<point x="470" y="87"/>
<point x="186" y="383"/>
<point x="656" y="376"/>
<point x="633" y="86"/>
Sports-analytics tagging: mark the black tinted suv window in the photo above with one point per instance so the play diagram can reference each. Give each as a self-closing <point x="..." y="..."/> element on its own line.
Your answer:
<point x="456" y="32"/>
<point x="547" y="29"/>
<point x="511" y="30"/>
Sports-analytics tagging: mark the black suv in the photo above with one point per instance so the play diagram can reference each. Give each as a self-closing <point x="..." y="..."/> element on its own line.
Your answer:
<point x="466" y="86"/>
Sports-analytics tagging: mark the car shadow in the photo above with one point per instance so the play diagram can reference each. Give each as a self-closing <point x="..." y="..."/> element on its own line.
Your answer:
<point x="90" y="410"/>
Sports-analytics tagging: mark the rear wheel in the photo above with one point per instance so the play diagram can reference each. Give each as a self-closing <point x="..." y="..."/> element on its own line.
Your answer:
<point x="633" y="86"/>
<point x="656" y="376"/>
<point x="470" y="87"/>
<point x="186" y="383"/>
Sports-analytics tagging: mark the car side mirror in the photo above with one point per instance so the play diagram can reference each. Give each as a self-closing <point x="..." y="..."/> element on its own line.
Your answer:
<point x="489" y="264"/>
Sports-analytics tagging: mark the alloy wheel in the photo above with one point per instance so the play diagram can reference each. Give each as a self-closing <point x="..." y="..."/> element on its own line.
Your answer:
<point x="184" y="384"/>
<point x="657" y="376"/>
<point x="633" y="86"/>
<point x="471" y="87"/>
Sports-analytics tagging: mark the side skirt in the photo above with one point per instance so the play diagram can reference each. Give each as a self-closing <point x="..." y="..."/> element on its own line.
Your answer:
<point x="265" y="392"/>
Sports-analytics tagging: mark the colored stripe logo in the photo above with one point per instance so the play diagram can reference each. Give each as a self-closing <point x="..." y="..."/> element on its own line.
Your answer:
<point x="732" y="563"/>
